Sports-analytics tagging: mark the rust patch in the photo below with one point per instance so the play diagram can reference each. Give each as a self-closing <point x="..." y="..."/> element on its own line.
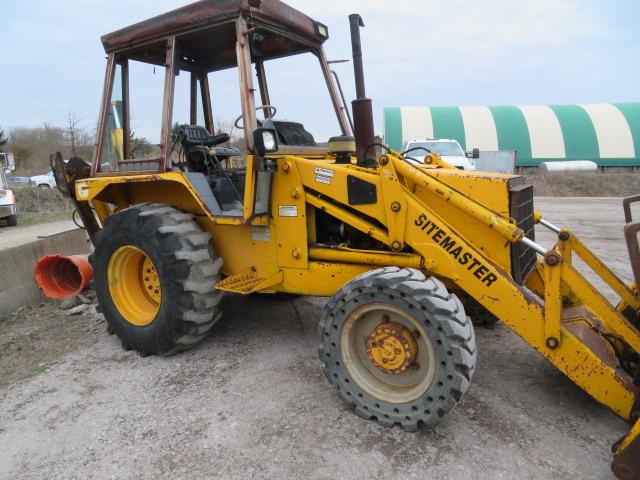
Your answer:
<point x="209" y="12"/>
<point x="626" y="463"/>
<point x="631" y="231"/>
<point x="594" y="340"/>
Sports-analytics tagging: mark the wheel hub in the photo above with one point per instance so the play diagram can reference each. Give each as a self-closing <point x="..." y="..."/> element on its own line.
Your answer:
<point x="392" y="347"/>
<point x="150" y="280"/>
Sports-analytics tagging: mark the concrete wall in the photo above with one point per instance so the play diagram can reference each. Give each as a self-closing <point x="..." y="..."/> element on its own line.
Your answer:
<point x="17" y="286"/>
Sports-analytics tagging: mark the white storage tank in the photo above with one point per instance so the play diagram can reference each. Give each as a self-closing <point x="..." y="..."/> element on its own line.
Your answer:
<point x="571" y="166"/>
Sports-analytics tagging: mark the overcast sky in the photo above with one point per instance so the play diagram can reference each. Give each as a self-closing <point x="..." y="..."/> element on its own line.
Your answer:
<point x="417" y="52"/>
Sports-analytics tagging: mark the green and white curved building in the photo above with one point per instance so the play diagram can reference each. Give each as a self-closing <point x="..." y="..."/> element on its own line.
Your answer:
<point x="607" y="133"/>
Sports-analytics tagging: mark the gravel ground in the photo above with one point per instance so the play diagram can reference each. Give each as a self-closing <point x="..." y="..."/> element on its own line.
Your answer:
<point x="251" y="402"/>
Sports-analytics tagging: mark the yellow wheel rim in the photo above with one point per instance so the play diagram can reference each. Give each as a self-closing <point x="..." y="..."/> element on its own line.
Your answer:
<point x="378" y="331"/>
<point x="134" y="285"/>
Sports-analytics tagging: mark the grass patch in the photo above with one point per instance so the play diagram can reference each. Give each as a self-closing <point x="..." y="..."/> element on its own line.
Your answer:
<point x="40" y="369"/>
<point x="35" y="218"/>
<point x="32" y="337"/>
<point x="36" y="206"/>
<point x="585" y="184"/>
<point x="38" y="200"/>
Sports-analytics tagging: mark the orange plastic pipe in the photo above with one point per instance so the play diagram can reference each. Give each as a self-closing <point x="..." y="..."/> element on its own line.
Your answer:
<point x="60" y="276"/>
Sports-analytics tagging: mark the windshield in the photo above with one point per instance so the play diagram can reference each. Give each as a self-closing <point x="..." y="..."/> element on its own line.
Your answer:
<point x="444" y="149"/>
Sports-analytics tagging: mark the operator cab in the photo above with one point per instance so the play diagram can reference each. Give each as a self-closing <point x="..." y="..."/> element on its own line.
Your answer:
<point x="188" y="46"/>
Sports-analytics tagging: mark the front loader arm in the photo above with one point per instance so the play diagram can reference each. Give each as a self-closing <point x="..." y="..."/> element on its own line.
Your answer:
<point x="418" y="213"/>
<point x="454" y="257"/>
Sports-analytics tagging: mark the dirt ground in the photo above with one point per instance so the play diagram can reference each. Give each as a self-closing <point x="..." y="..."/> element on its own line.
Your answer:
<point x="251" y="402"/>
<point x="33" y="337"/>
<point x="583" y="184"/>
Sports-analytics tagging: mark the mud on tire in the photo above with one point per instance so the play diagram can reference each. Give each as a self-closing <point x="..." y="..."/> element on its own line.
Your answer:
<point x="441" y="316"/>
<point x="187" y="270"/>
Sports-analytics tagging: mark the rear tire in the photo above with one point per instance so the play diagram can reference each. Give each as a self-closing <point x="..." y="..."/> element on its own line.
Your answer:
<point x="178" y="251"/>
<point x="12" y="220"/>
<point x="443" y="345"/>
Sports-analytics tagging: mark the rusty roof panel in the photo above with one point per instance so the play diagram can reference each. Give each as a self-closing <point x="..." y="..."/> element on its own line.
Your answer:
<point x="208" y="12"/>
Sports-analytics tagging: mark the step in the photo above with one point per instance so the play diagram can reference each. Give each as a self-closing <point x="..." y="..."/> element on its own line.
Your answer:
<point x="248" y="281"/>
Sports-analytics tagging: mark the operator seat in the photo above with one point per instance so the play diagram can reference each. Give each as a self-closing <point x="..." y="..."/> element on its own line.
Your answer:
<point x="203" y="158"/>
<point x="197" y="142"/>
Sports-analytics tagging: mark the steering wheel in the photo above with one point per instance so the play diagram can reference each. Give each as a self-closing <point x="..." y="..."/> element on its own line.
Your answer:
<point x="273" y="111"/>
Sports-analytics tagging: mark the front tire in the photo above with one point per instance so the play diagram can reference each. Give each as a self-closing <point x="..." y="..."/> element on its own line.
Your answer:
<point x="12" y="220"/>
<point x="154" y="275"/>
<point x="398" y="347"/>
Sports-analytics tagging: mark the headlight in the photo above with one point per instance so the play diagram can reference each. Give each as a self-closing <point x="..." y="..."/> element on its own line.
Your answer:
<point x="265" y="140"/>
<point x="322" y="30"/>
<point x="268" y="140"/>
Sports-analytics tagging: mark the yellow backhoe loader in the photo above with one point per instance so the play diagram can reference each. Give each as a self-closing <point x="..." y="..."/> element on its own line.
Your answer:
<point x="402" y="248"/>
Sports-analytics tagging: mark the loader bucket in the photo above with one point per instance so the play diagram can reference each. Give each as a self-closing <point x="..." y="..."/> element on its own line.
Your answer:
<point x="626" y="461"/>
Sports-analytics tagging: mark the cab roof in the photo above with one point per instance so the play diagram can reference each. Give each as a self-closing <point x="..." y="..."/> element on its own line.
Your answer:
<point x="206" y="30"/>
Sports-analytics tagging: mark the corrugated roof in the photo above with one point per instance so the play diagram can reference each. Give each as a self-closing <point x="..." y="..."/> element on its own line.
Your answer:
<point x="608" y="134"/>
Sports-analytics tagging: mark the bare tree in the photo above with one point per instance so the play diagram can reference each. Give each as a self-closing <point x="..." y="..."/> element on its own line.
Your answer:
<point x="72" y="132"/>
<point x="32" y="146"/>
<point x="22" y="155"/>
<point x="3" y="139"/>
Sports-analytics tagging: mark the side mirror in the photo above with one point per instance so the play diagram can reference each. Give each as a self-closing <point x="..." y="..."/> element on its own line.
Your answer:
<point x="475" y="153"/>
<point x="265" y="140"/>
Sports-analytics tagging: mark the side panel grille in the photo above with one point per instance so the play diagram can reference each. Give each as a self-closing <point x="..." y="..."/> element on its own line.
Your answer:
<point x="523" y="259"/>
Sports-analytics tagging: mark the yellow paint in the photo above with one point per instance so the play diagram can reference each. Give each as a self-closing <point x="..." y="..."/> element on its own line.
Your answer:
<point x="552" y="303"/>
<point x="134" y="285"/>
<point x="248" y="282"/>
<point x="392" y="348"/>
<point x="349" y="255"/>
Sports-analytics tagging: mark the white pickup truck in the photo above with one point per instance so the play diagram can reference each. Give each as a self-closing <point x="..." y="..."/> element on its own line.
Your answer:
<point x="45" y="181"/>
<point x="449" y="149"/>
<point x="8" y="209"/>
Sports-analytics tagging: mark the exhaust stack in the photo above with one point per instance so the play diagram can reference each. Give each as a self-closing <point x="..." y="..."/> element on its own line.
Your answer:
<point x="362" y="106"/>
